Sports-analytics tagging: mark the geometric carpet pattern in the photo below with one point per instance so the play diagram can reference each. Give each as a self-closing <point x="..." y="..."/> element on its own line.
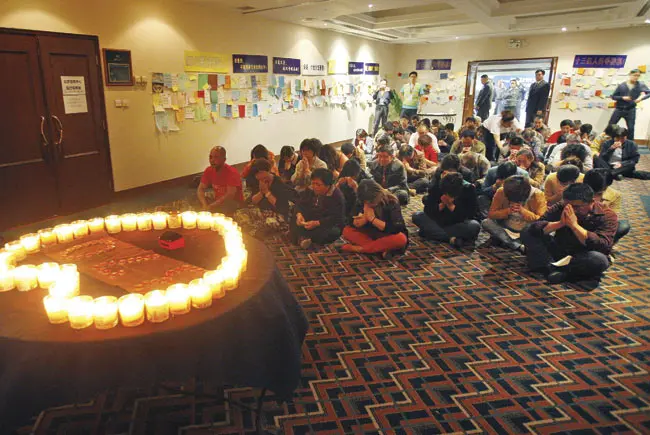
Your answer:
<point x="437" y="341"/>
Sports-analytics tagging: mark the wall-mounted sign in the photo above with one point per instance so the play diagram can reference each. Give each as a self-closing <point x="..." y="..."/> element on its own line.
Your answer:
<point x="599" y="61"/>
<point x="249" y="64"/>
<point x="336" y="67"/>
<point x="371" y="69"/>
<point x="203" y="61"/>
<point x="286" y="65"/>
<point x="314" y="69"/>
<point x="355" y="68"/>
<point x="118" y="70"/>
<point x="433" y="64"/>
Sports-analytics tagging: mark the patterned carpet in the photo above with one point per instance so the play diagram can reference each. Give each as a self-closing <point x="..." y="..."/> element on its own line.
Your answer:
<point x="436" y="341"/>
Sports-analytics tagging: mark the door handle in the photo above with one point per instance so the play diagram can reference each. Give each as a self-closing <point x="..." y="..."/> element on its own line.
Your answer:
<point x="60" y="127"/>
<point x="45" y="142"/>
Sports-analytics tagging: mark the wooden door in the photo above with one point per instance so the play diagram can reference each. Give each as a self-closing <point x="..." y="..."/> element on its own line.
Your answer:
<point x="28" y="186"/>
<point x="78" y="122"/>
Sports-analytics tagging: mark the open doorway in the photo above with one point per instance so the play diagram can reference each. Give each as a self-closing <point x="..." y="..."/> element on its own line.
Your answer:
<point x="512" y="79"/>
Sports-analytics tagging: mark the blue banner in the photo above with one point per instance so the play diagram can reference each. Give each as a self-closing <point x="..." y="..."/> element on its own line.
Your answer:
<point x="433" y="64"/>
<point x="286" y="65"/>
<point x="372" y="69"/>
<point x="599" y="61"/>
<point x="355" y="68"/>
<point x="249" y="64"/>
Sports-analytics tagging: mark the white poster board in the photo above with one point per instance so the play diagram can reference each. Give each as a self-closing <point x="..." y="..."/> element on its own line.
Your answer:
<point x="74" y="94"/>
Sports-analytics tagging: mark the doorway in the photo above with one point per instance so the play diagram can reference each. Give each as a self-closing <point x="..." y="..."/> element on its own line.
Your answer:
<point x="511" y="79"/>
<point x="54" y="154"/>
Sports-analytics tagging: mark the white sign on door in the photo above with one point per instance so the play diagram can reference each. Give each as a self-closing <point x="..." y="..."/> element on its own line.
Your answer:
<point x="73" y="85"/>
<point x="75" y="104"/>
<point x="74" y="94"/>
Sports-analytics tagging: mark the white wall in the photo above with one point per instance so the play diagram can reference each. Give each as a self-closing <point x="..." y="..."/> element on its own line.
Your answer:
<point x="157" y="33"/>
<point x="634" y="42"/>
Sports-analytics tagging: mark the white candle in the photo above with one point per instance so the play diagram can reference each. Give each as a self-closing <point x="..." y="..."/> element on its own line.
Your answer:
<point x="144" y="222"/>
<point x="159" y="220"/>
<point x="157" y="306"/>
<point x="113" y="224"/>
<point x="56" y="309"/>
<point x="26" y="277"/>
<point x="17" y="249"/>
<point x="179" y="299"/>
<point x="6" y="278"/>
<point x="189" y="219"/>
<point x="47" y="274"/>
<point x="31" y="242"/>
<point x="201" y="294"/>
<point x="96" y="225"/>
<point x="80" y="229"/>
<point x="7" y="259"/>
<point x="214" y="279"/>
<point x="204" y="220"/>
<point x="105" y="312"/>
<point x="67" y="283"/>
<point x="174" y="220"/>
<point x="129" y="222"/>
<point x="64" y="233"/>
<point x="48" y="237"/>
<point x="80" y="311"/>
<point x="132" y="309"/>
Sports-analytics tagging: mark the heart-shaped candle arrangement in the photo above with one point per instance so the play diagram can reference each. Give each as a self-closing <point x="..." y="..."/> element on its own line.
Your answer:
<point x="64" y="302"/>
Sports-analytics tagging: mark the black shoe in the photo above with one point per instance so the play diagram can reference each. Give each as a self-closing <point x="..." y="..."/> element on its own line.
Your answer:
<point x="458" y="243"/>
<point x="619" y="177"/>
<point x="557" y="277"/>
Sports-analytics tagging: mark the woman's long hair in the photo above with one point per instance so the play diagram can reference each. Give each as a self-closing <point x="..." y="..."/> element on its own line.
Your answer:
<point x="329" y="155"/>
<point x="371" y="192"/>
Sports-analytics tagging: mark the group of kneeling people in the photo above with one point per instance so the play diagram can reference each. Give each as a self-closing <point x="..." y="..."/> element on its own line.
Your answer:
<point x="567" y="231"/>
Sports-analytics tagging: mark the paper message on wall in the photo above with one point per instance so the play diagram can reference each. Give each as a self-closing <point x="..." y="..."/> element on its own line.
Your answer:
<point x="74" y="94"/>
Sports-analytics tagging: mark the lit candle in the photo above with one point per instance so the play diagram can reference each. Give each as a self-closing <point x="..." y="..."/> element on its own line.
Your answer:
<point x="159" y="220"/>
<point x="214" y="279"/>
<point x="179" y="299"/>
<point x="47" y="274"/>
<point x="129" y="222"/>
<point x="201" y="294"/>
<point x="105" y="312"/>
<point x="132" y="309"/>
<point x="204" y="220"/>
<point x="7" y="259"/>
<point x="64" y="233"/>
<point x="231" y="279"/>
<point x="6" y="278"/>
<point x="174" y="220"/>
<point x="31" y="242"/>
<point x="67" y="283"/>
<point x="157" y="306"/>
<point x="80" y="229"/>
<point x="48" y="237"/>
<point x="26" y="277"/>
<point x="144" y="221"/>
<point x="56" y="309"/>
<point x="189" y="219"/>
<point x="96" y="225"/>
<point x="17" y="249"/>
<point x="113" y="224"/>
<point x="80" y="311"/>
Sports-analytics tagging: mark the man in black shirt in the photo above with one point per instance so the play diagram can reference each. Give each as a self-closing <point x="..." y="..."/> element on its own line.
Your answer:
<point x="381" y="97"/>
<point x="484" y="98"/>
<point x="627" y="95"/>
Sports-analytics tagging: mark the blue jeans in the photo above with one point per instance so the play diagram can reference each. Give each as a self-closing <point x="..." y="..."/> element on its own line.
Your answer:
<point x="409" y="113"/>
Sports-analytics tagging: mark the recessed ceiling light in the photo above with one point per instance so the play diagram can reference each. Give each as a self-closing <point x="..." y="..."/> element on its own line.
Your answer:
<point x="370" y="5"/>
<point x="564" y="29"/>
<point x="457" y="37"/>
<point x="324" y="24"/>
<point x="647" y="20"/>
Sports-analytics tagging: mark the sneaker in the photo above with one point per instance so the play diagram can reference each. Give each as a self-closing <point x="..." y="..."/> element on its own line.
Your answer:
<point x="305" y="243"/>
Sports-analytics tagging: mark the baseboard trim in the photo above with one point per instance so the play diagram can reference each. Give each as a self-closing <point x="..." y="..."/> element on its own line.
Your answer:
<point x="641" y="142"/>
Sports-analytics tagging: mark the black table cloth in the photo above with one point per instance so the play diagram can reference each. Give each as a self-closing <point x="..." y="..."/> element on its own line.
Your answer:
<point x="252" y="337"/>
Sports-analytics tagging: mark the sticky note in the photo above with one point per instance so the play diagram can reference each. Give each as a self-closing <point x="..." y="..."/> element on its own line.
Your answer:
<point x="643" y="68"/>
<point x="242" y="111"/>
<point x="573" y="106"/>
<point x="581" y="71"/>
<point x="221" y="79"/>
<point x="203" y="80"/>
<point x="227" y="82"/>
<point x="214" y="96"/>
<point x="213" y="81"/>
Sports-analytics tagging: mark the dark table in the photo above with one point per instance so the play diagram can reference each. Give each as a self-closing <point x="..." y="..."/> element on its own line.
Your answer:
<point x="252" y="337"/>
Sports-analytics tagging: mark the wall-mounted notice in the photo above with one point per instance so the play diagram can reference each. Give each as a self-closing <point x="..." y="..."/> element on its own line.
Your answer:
<point x="203" y="61"/>
<point x="371" y="69"/>
<point x="336" y="67"/>
<point x="433" y="64"/>
<point x="74" y="94"/>
<point x="355" y="68"/>
<point x="599" y="61"/>
<point x="314" y="69"/>
<point x="249" y="64"/>
<point x="286" y="65"/>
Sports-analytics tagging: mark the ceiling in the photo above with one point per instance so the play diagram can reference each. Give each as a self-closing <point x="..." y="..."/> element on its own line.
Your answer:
<point x="422" y="21"/>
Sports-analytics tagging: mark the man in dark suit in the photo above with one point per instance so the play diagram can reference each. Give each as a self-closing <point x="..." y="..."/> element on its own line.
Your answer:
<point x="537" y="98"/>
<point x="484" y="98"/>
<point x="627" y="95"/>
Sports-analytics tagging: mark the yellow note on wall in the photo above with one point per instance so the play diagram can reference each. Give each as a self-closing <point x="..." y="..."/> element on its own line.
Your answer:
<point x="581" y="71"/>
<point x="643" y="68"/>
<point x="573" y="106"/>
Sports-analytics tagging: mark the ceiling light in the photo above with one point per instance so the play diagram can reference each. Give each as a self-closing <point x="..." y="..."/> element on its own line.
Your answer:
<point x="324" y="24"/>
<point x="457" y="37"/>
<point x="647" y="20"/>
<point x="370" y="5"/>
<point x="564" y="29"/>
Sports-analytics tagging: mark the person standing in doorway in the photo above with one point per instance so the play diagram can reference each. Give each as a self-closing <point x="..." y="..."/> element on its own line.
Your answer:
<point x="484" y="98"/>
<point x="537" y="98"/>
<point x="381" y="97"/>
<point x="513" y="97"/>
<point x="627" y="95"/>
<point x="411" y="93"/>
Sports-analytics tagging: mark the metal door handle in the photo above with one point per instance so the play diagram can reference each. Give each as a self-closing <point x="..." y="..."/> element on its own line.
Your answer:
<point x="45" y="142"/>
<point x="60" y="125"/>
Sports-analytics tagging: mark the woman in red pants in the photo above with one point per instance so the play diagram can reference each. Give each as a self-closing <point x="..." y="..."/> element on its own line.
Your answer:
<point x="377" y="223"/>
